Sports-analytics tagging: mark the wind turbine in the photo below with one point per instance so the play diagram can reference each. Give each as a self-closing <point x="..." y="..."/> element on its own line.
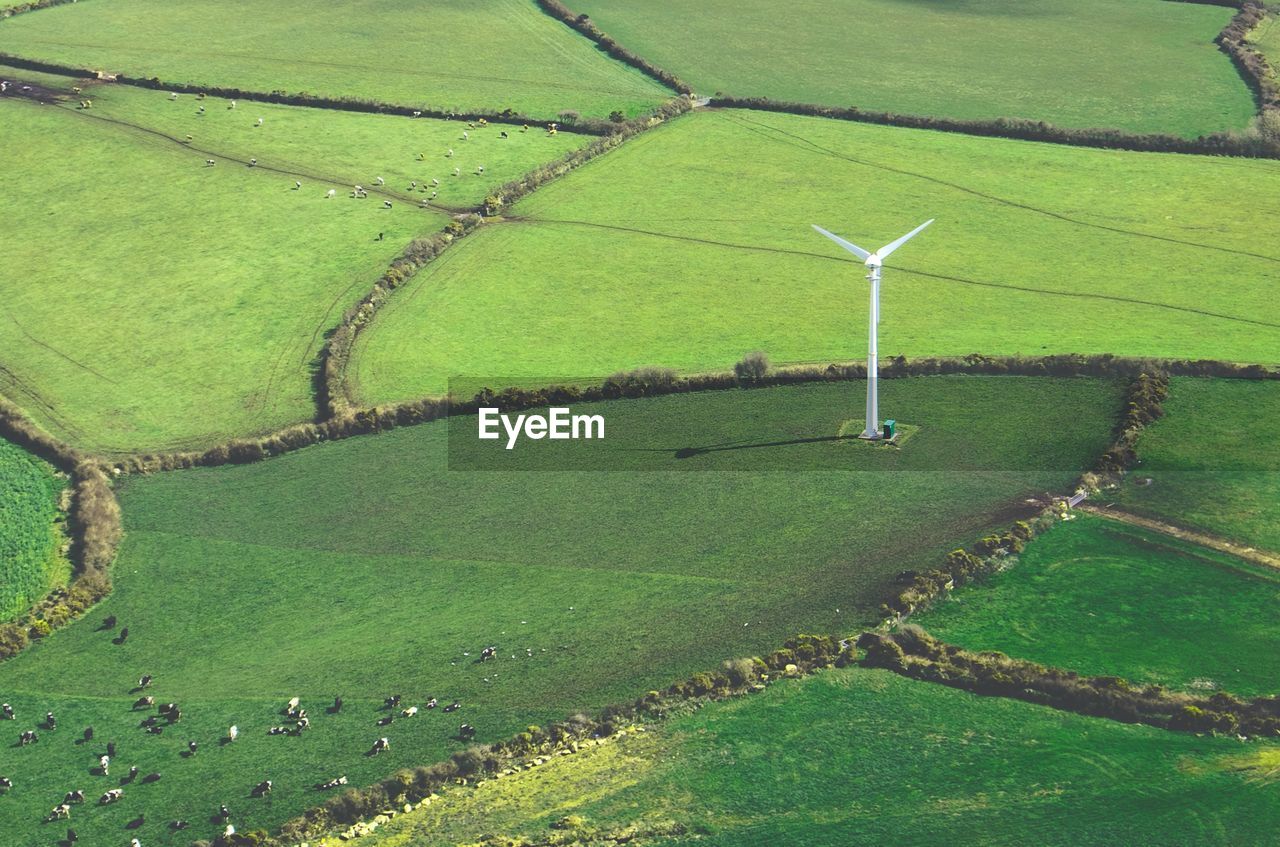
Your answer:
<point x="873" y="261"/>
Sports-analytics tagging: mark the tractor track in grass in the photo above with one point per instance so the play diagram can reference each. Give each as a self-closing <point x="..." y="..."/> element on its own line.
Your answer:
<point x="1079" y="295"/>
<point x="322" y="178"/>
<point x="1248" y="553"/>
<point x="802" y="143"/>
<point x="36" y="341"/>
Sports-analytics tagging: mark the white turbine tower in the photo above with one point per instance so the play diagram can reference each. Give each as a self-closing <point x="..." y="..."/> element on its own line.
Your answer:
<point x="873" y="261"/>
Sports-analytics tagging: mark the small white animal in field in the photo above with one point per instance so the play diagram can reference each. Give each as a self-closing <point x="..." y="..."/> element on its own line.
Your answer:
<point x="457" y="171"/>
<point x="294" y="701"/>
<point x="173" y="95"/>
<point x="386" y="204"/>
<point x="480" y="169"/>
<point x="465" y="135"/>
<point x="233" y="733"/>
<point x="296" y="185"/>
<point x="331" y="194"/>
<point x="380" y="181"/>
<point x="435" y="181"/>
<point x="259" y="121"/>
<point x="417" y="114"/>
<point x="449" y="155"/>
<point x="253" y="162"/>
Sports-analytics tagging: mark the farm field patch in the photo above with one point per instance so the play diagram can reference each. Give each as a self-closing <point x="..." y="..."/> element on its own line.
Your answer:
<point x="1141" y="66"/>
<point x="30" y="563"/>
<point x="856" y="756"/>
<point x="151" y="301"/>
<point x="691" y="246"/>
<point x="1104" y="598"/>
<point x="367" y="567"/>
<point x="458" y="55"/>
<point x="1212" y="463"/>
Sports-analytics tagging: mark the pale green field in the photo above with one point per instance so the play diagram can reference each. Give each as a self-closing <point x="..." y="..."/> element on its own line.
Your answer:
<point x="691" y="246"/>
<point x="1138" y="65"/>
<point x="484" y="55"/>
<point x="150" y="301"/>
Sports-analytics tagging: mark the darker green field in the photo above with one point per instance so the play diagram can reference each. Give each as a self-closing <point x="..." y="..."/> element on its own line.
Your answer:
<point x="1212" y="463"/>
<point x="460" y="55"/>
<point x="865" y="757"/>
<point x="1105" y="598"/>
<point x="367" y="567"/>
<point x="30" y="562"/>
<point x="1141" y="65"/>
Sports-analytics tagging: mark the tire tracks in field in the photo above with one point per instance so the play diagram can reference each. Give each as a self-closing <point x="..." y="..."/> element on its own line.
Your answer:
<point x="1080" y="295"/>
<point x="381" y="191"/>
<point x="36" y="341"/>
<point x="803" y="143"/>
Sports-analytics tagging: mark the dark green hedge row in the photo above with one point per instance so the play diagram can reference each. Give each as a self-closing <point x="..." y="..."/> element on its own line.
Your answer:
<point x="584" y="25"/>
<point x="1217" y="144"/>
<point x="914" y="653"/>
<point x="35" y="5"/>
<point x="1251" y="63"/>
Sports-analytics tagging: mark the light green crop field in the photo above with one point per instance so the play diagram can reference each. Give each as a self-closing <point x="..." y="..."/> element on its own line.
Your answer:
<point x="1143" y="66"/>
<point x="479" y="55"/>
<point x="30" y="563"/>
<point x="1267" y="38"/>
<point x="1100" y="597"/>
<point x="1212" y="463"/>
<point x="691" y="246"/>
<point x="150" y="301"/>
<point x="369" y="567"/>
<point x="859" y="756"/>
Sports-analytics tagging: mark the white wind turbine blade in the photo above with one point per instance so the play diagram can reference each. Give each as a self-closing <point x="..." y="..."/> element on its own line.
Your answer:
<point x="848" y="245"/>
<point x="883" y="252"/>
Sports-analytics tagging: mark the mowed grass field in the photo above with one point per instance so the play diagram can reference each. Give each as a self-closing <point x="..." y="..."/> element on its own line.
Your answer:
<point x="691" y="246"/>
<point x="859" y="756"/>
<point x="1100" y="597"/>
<point x="1141" y="66"/>
<point x="366" y="567"/>
<point x="460" y="55"/>
<point x="1213" y="461"/>
<point x="30" y="562"/>
<point x="1267" y="38"/>
<point x="150" y="301"/>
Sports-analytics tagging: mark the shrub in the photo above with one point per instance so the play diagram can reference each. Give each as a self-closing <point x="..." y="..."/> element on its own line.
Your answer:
<point x="752" y="368"/>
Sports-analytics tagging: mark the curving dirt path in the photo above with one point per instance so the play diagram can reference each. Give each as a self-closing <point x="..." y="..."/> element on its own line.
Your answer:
<point x="1213" y="542"/>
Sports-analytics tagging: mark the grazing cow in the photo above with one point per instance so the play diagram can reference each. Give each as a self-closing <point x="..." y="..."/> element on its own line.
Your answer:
<point x="208" y="163"/>
<point x="191" y="747"/>
<point x="224" y="814"/>
<point x="155" y="730"/>
<point x="201" y="111"/>
<point x="296" y="185"/>
<point x="278" y="730"/>
<point x="253" y="163"/>
<point x="111" y="796"/>
<point x="333" y="783"/>
<point x="72" y="836"/>
<point x="435" y="182"/>
<point x="50" y="721"/>
<point x="294" y="702"/>
<point x="417" y="114"/>
<point x="262" y="789"/>
<point x="503" y="134"/>
<point x="488" y="652"/>
<point x="73" y="797"/>
<point x="88" y="734"/>
<point x="466" y="732"/>
<point x="190" y="138"/>
<point x="233" y="733"/>
<point x="453" y="707"/>
<point x="132" y="775"/>
<point x="385" y="721"/>
<point x="109" y="622"/>
<point x="111" y="748"/>
<point x="145" y="681"/>
<point x="259" y="121"/>
<point x="166" y="708"/>
<point x="432" y="703"/>
<point x="133" y="842"/>
<point x="391" y="702"/>
<point x="5" y="783"/>
<point x="6" y="712"/>
<point x="233" y="105"/>
<point x="379" y="746"/>
<point x="331" y="194"/>
<point x="337" y="704"/>
<point x="173" y="95"/>
<point x="303" y="723"/>
<point x="380" y="181"/>
<point x="179" y="825"/>
<point x="409" y="712"/>
<point x="124" y="636"/>
<point x="149" y="720"/>
<point x="154" y="776"/>
<point x="62" y="812"/>
<point x="28" y="737"/>
<point x="386" y="204"/>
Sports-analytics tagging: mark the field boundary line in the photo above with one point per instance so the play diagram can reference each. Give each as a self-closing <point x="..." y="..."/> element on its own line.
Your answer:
<point x="1248" y="553"/>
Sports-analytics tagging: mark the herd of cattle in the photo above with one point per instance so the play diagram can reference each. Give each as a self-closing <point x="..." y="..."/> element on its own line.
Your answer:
<point x="167" y="715"/>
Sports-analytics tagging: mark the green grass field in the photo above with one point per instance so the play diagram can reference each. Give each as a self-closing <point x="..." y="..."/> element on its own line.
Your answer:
<point x="30" y="562"/>
<point x="1101" y="597"/>
<point x="1213" y="461"/>
<point x="149" y="301"/>
<point x="1142" y="66"/>
<point x="691" y="246"/>
<point x="459" y="55"/>
<point x="1267" y="38"/>
<point x="864" y="757"/>
<point x="367" y="567"/>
